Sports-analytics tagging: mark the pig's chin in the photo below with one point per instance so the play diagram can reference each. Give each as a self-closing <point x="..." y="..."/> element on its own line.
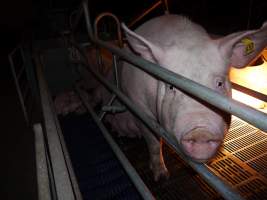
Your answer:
<point x="200" y="145"/>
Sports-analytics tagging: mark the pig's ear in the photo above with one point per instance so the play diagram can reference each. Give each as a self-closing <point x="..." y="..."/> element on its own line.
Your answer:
<point x="242" y="47"/>
<point x="140" y="45"/>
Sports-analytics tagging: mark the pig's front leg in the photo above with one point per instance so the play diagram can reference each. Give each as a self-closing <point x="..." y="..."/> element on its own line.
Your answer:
<point x="156" y="163"/>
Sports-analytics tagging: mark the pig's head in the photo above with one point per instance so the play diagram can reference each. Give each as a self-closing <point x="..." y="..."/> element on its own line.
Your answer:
<point x="186" y="49"/>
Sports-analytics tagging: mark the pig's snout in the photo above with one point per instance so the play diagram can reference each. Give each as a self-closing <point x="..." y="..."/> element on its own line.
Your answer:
<point x="200" y="144"/>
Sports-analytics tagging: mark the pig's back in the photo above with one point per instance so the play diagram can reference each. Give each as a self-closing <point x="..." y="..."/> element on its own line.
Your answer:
<point x="169" y="29"/>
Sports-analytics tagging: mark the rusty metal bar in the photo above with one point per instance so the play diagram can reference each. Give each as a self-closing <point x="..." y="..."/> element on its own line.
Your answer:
<point x="145" y="13"/>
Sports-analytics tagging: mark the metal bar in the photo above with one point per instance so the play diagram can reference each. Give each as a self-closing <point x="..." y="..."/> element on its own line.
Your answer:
<point x="145" y="13"/>
<point x="226" y="191"/>
<point x="137" y="181"/>
<point x="166" y="6"/>
<point x="87" y="18"/>
<point x="75" y="185"/>
<point x="116" y="75"/>
<point x="22" y="103"/>
<point x="44" y="192"/>
<point x="63" y="183"/>
<point x="102" y="114"/>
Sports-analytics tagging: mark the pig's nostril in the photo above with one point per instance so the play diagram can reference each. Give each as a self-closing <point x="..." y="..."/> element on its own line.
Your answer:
<point x="190" y="141"/>
<point x="200" y="145"/>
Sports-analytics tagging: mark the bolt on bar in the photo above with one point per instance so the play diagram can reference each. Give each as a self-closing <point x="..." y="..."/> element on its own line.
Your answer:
<point x="226" y="191"/>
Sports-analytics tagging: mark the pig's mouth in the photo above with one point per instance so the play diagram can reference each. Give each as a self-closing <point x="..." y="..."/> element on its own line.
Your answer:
<point x="200" y="145"/>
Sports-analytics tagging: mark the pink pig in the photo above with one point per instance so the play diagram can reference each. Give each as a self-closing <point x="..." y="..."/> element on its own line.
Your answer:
<point x="185" y="48"/>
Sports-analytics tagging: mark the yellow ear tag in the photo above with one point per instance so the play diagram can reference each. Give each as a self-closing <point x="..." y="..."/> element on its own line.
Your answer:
<point x="249" y="46"/>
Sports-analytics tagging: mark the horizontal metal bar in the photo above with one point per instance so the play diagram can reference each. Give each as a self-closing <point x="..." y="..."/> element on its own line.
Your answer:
<point x="226" y="191"/>
<point x="137" y="181"/>
<point x="114" y="109"/>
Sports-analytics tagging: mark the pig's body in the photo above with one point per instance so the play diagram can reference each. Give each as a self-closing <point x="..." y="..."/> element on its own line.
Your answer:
<point x="185" y="48"/>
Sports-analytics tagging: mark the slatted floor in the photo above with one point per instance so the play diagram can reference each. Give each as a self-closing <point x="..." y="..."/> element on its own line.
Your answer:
<point x="241" y="162"/>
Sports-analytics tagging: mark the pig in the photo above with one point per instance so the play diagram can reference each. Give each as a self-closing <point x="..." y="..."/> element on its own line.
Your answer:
<point x="68" y="102"/>
<point x="183" y="47"/>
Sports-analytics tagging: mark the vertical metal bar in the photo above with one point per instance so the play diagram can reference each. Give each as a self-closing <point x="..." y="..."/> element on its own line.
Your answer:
<point x="115" y="66"/>
<point x="87" y="19"/>
<point x="137" y="181"/>
<point x="44" y="192"/>
<point x="166" y="6"/>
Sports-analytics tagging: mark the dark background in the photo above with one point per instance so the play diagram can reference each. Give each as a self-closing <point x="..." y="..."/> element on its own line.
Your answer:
<point x="27" y="19"/>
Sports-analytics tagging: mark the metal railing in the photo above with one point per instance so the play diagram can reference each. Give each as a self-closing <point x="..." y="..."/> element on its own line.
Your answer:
<point x="227" y="104"/>
<point x="62" y="181"/>
<point x="18" y="68"/>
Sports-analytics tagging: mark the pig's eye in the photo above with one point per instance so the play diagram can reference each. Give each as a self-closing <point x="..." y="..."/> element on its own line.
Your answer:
<point x="171" y="89"/>
<point x="219" y="82"/>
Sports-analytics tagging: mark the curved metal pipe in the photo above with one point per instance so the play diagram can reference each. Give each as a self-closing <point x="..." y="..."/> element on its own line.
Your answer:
<point x="108" y="14"/>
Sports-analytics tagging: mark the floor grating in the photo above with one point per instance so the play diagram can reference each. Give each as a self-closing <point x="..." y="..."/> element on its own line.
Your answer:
<point x="242" y="162"/>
